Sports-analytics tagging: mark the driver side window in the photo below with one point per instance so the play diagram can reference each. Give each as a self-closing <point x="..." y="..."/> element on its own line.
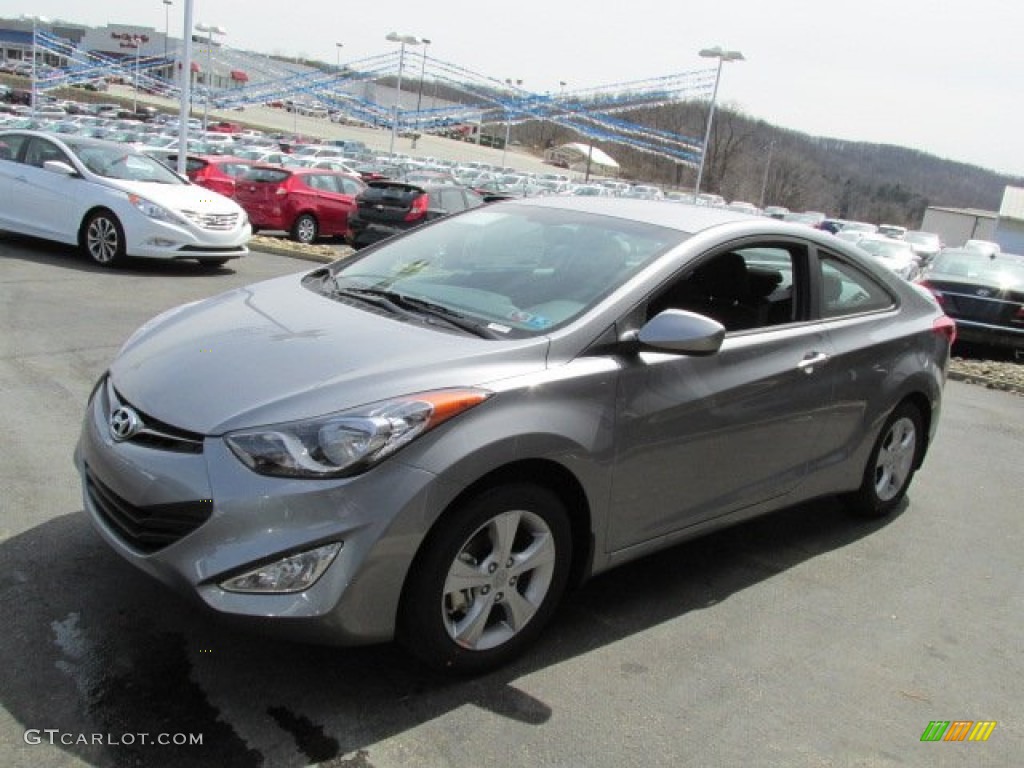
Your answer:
<point x="744" y="288"/>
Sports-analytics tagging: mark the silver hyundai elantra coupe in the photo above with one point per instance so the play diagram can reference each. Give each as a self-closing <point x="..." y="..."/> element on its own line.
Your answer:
<point x="434" y="439"/>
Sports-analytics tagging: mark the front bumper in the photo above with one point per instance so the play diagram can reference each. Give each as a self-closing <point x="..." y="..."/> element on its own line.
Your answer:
<point x="216" y="519"/>
<point x="151" y="239"/>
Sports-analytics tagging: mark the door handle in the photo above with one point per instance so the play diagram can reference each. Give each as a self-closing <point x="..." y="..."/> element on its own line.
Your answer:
<point x="811" y="361"/>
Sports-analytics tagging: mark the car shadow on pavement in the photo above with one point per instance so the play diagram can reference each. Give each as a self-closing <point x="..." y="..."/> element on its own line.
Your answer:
<point x="94" y="649"/>
<point x="18" y="247"/>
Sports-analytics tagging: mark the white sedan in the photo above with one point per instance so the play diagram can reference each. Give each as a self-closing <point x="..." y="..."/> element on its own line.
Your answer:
<point x="113" y="202"/>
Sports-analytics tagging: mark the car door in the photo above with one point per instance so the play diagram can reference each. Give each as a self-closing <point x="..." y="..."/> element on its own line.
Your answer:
<point x="861" y="318"/>
<point x="333" y="206"/>
<point x="45" y="203"/>
<point x="11" y="171"/>
<point x="700" y="437"/>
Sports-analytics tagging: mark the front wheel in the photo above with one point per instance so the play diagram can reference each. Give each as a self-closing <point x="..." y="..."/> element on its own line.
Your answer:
<point x="103" y="239"/>
<point x="892" y="464"/>
<point x="304" y="230"/>
<point x="487" y="579"/>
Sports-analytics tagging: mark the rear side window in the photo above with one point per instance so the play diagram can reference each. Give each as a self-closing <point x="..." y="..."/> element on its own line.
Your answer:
<point x="350" y="186"/>
<point x="10" y="146"/>
<point x="235" y="170"/>
<point x="194" y="164"/>
<point x="267" y="175"/>
<point x="846" y="290"/>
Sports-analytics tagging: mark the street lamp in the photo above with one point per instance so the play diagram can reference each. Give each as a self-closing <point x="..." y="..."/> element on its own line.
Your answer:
<point x="404" y="40"/>
<point x="423" y="72"/>
<point x="167" y="28"/>
<point x="722" y="56"/>
<point x="137" y="44"/>
<point x="337" y="61"/>
<point x="210" y="30"/>
<point x="513" y="85"/>
<point x="36" y="20"/>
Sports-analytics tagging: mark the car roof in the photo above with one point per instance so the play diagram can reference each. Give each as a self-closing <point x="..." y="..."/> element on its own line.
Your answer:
<point x="663" y="213"/>
<point x="85" y="141"/>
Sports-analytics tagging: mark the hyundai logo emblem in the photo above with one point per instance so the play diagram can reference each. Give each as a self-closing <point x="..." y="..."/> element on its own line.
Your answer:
<point x="124" y="424"/>
<point x="983" y="292"/>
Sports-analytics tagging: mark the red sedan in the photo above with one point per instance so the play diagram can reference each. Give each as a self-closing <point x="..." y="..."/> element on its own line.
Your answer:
<point x="306" y="202"/>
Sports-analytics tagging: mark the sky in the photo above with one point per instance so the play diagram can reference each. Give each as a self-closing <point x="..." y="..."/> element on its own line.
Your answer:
<point x="942" y="77"/>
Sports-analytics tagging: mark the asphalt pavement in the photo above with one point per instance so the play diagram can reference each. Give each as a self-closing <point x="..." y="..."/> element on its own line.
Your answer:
<point x="806" y="638"/>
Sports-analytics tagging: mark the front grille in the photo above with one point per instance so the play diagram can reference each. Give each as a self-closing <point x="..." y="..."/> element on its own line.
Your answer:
<point x="213" y="221"/>
<point x="146" y="529"/>
<point x="155" y="433"/>
<point x="212" y="249"/>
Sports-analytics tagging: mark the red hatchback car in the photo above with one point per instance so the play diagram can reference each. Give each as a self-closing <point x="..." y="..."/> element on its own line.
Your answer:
<point x="306" y="202"/>
<point x="217" y="172"/>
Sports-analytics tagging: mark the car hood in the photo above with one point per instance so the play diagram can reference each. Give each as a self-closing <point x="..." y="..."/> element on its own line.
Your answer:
<point x="276" y="351"/>
<point x="191" y="197"/>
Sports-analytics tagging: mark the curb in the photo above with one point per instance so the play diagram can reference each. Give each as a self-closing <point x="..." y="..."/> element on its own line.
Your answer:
<point x="317" y="253"/>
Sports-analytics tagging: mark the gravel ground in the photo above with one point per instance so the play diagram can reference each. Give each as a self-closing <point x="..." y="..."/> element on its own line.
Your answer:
<point x="995" y="374"/>
<point x="975" y="367"/>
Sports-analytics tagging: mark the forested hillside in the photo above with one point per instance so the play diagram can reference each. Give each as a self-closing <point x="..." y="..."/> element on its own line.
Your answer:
<point x="853" y="180"/>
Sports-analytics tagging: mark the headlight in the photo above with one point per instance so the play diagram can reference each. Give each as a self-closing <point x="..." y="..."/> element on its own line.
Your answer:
<point x="349" y="442"/>
<point x="152" y="210"/>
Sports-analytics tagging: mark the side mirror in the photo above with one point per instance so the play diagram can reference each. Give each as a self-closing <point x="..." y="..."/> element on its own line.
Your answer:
<point x="679" y="331"/>
<point x="59" y="166"/>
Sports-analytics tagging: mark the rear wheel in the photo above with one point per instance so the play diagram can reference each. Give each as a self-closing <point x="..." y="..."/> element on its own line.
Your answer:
<point x="487" y="579"/>
<point x="103" y="239"/>
<point x="304" y="230"/>
<point x="892" y="463"/>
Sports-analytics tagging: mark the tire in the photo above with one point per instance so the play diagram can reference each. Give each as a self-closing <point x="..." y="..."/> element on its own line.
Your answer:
<point x="487" y="579"/>
<point x="891" y="465"/>
<point x="305" y="229"/>
<point x="213" y="263"/>
<point x="103" y="239"/>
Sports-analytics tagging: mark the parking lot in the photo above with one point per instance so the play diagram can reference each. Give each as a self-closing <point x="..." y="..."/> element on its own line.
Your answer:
<point x="807" y="638"/>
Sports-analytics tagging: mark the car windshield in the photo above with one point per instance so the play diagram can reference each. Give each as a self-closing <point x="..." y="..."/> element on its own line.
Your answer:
<point x="519" y="271"/>
<point x="114" y="162"/>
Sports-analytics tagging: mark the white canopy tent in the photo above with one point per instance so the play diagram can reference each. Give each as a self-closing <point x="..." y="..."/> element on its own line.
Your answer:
<point x="575" y="156"/>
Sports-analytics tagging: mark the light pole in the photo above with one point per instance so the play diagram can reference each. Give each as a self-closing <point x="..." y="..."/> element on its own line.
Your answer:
<point x="722" y="56"/>
<point x="423" y="72"/>
<point x="36" y="20"/>
<point x="767" y="167"/>
<point x="167" y="31"/>
<point x="137" y="42"/>
<point x="513" y="85"/>
<point x="210" y="30"/>
<point x="403" y="40"/>
<point x="337" y="60"/>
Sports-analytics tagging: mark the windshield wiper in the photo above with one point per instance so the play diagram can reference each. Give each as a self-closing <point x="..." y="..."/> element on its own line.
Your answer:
<point x="399" y="302"/>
